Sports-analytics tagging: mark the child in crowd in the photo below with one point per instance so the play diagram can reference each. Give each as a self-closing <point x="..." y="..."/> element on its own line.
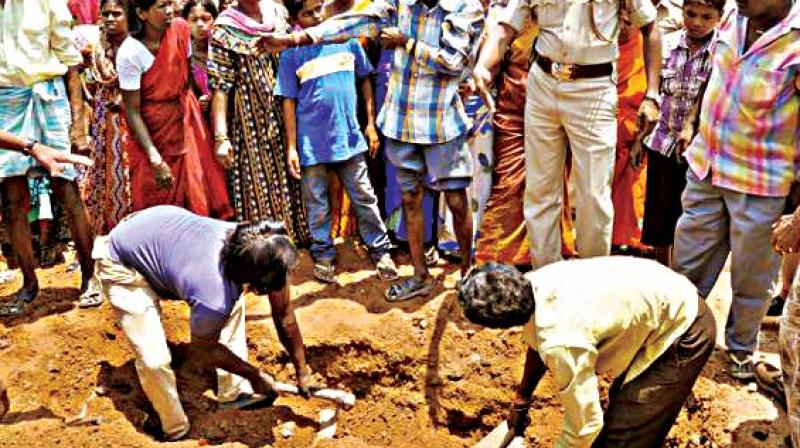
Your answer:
<point x="201" y="15"/>
<point x="686" y="69"/>
<point x="322" y="132"/>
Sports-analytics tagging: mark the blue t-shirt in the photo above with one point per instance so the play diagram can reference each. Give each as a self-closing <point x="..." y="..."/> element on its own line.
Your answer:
<point x="322" y="80"/>
<point x="178" y="253"/>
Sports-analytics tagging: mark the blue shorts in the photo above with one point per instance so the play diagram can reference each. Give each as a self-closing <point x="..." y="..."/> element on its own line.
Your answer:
<point x="449" y="164"/>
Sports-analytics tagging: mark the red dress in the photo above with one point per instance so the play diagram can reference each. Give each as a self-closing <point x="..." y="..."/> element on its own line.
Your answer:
<point x="175" y="122"/>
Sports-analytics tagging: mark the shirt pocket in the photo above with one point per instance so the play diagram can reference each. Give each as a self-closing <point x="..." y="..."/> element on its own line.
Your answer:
<point x="763" y="87"/>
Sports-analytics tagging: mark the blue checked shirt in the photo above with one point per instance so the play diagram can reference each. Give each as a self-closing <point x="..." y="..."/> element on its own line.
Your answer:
<point x="422" y="102"/>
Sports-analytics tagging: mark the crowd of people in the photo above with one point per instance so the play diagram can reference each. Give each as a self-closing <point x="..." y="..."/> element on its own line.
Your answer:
<point x="221" y="137"/>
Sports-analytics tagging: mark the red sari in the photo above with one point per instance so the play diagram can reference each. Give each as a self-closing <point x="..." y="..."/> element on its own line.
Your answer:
<point x="174" y="120"/>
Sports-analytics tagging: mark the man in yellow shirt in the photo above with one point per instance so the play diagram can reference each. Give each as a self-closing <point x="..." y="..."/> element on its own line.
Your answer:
<point x="630" y="319"/>
<point x="36" y="51"/>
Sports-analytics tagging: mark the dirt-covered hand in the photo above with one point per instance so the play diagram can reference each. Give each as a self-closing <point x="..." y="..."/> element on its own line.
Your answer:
<point x="786" y="235"/>
<point x="264" y="385"/>
<point x="304" y="385"/>
<point x="647" y="117"/>
<point x="163" y="175"/>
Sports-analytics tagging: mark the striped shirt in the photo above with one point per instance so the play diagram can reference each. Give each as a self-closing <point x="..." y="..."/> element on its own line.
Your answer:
<point x="422" y="101"/>
<point x="682" y="77"/>
<point x="747" y="140"/>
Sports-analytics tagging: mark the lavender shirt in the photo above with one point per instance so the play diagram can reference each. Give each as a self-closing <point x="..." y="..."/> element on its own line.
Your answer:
<point x="178" y="253"/>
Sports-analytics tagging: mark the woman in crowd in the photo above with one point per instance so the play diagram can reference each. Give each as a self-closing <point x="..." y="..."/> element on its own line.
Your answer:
<point x="201" y="15"/>
<point x="171" y="154"/>
<point x="248" y="125"/>
<point x="107" y="190"/>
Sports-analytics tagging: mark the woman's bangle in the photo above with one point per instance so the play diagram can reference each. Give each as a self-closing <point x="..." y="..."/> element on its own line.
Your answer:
<point x="221" y="138"/>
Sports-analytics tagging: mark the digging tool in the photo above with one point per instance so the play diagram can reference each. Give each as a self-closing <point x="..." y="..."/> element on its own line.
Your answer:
<point x="345" y="399"/>
<point x="340" y="397"/>
<point x="501" y="437"/>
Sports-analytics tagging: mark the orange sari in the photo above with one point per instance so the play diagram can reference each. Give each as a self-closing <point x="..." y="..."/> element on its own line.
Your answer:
<point x="174" y="120"/>
<point x="627" y="190"/>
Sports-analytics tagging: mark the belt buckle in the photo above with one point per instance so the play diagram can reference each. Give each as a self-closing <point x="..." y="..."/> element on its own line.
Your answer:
<point x="562" y="72"/>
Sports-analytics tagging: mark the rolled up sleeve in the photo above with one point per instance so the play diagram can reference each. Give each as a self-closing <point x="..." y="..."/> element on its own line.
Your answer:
<point x="514" y="13"/>
<point x="62" y="41"/>
<point x="367" y="23"/>
<point x="642" y="13"/>
<point x="460" y="31"/>
<point x="573" y="370"/>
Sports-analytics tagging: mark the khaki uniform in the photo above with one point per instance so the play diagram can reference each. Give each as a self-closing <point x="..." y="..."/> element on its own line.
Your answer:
<point x="577" y="114"/>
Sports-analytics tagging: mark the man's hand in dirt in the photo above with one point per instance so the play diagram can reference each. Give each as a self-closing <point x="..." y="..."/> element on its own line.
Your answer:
<point x="264" y="385"/>
<point x="647" y="117"/>
<point x="393" y="38"/>
<point x="786" y="234"/>
<point x="304" y="385"/>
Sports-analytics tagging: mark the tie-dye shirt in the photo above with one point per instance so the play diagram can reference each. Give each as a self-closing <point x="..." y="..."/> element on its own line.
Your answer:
<point x="422" y="101"/>
<point x="747" y="140"/>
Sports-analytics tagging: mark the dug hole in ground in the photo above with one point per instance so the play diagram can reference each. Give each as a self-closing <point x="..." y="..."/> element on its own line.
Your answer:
<point x="423" y="376"/>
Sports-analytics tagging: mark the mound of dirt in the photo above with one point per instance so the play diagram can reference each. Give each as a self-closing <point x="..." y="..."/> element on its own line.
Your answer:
<point x="422" y="375"/>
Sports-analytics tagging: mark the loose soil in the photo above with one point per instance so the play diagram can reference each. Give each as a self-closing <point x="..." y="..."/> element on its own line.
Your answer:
<point x="423" y="376"/>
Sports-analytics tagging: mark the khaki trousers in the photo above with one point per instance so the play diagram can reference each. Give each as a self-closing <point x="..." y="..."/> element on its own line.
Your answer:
<point x="580" y="115"/>
<point x="139" y="317"/>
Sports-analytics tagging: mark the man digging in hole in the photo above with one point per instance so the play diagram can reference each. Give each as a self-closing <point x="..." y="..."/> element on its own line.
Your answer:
<point x="628" y="318"/>
<point x="167" y="251"/>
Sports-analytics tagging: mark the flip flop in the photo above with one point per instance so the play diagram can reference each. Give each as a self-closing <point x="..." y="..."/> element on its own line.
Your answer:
<point x="386" y="268"/>
<point x="15" y="307"/>
<point x="770" y="380"/>
<point x="325" y="272"/>
<point x="407" y="289"/>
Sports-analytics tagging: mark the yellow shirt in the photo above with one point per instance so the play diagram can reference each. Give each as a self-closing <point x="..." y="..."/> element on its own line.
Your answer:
<point x="36" y="41"/>
<point x="604" y="315"/>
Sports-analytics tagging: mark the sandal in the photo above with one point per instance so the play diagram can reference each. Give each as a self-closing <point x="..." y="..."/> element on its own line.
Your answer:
<point x="386" y="268"/>
<point x="407" y="289"/>
<point x="19" y="303"/>
<point x="770" y="380"/>
<point x="325" y="271"/>
<point x="90" y="299"/>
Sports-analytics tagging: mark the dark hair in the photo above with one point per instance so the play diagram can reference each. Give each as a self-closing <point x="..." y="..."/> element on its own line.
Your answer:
<point x="124" y="4"/>
<point x="261" y="254"/>
<point x="293" y="7"/>
<point x="208" y="5"/>
<point x="719" y="5"/>
<point x="135" y="24"/>
<point x="496" y="295"/>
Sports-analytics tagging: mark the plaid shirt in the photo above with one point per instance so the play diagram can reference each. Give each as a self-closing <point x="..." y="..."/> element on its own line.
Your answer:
<point x="422" y="101"/>
<point x="682" y="77"/>
<point x="749" y="119"/>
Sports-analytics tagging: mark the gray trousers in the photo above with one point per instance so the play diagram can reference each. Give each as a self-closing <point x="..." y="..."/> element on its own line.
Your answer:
<point x="715" y="222"/>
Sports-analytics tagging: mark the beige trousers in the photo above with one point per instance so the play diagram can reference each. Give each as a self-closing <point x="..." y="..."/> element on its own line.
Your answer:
<point x="139" y="317"/>
<point x="580" y="115"/>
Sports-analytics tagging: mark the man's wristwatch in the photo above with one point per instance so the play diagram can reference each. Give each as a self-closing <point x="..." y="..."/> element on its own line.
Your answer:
<point x="29" y="145"/>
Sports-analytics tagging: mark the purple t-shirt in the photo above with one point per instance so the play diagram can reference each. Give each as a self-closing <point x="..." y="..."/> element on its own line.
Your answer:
<point x="178" y="253"/>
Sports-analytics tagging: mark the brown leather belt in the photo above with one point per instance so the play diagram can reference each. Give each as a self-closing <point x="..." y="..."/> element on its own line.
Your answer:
<point x="571" y="72"/>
